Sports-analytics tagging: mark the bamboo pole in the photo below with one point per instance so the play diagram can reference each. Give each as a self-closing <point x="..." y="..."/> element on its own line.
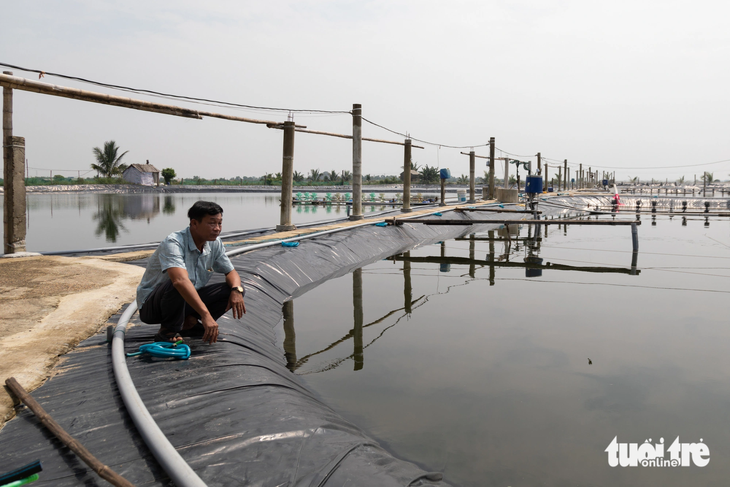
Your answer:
<point x="345" y="136"/>
<point x="9" y="81"/>
<point x="102" y="470"/>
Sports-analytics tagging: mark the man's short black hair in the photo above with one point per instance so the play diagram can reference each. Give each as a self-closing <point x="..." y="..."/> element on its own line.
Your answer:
<point x="202" y="208"/>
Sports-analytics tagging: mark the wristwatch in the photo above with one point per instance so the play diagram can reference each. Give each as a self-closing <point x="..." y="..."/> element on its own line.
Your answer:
<point x="237" y="288"/>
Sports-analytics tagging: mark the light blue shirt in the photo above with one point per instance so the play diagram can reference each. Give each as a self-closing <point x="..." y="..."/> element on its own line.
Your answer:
<point x="179" y="250"/>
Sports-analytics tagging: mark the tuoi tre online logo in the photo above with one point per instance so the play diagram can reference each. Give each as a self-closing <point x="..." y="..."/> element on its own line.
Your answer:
<point x="653" y="455"/>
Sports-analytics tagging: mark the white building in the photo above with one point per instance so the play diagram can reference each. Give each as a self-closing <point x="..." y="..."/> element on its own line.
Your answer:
<point x="144" y="174"/>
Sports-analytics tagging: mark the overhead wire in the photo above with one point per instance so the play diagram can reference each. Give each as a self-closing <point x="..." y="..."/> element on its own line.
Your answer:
<point x="407" y="136"/>
<point x="171" y="95"/>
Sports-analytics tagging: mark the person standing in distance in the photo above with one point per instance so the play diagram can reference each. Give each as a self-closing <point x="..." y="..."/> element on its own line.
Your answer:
<point x="174" y="291"/>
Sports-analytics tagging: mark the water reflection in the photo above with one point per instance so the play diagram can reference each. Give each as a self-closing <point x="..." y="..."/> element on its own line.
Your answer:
<point x="109" y="218"/>
<point x="112" y="209"/>
<point x="531" y="262"/>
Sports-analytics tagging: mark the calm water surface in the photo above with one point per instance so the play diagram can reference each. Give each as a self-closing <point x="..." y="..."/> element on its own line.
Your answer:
<point x="456" y="360"/>
<point x="87" y="220"/>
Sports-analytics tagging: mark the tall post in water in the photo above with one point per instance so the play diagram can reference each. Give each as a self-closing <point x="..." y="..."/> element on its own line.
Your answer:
<point x="358" y="318"/>
<point x="546" y="177"/>
<point x="443" y="192"/>
<point x="539" y="164"/>
<point x="472" y="169"/>
<point x="580" y="176"/>
<point x="506" y="173"/>
<point x="287" y="175"/>
<point x="407" y="286"/>
<point x="560" y="177"/>
<point x="356" y="162"/>
<point x="472" y="256"/>
<point x="290" y="336"/>
<point x="566" y="176"/>
<point x="407" y="177"/>
<point x="491" y="170"/>
<point x="13" y="174"/>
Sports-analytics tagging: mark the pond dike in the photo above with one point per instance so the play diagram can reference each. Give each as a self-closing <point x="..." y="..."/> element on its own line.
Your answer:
<point x="233" y="411"/>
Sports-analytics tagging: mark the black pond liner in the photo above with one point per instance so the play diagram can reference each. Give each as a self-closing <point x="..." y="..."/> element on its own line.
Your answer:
<point x="234" y="411"/>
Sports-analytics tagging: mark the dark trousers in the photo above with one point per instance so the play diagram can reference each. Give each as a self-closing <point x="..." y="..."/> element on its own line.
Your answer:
<point x="168" y="308"/>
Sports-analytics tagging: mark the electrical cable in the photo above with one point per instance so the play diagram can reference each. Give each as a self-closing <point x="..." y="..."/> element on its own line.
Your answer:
<point x="423" y="141"/>
<point x="170" y="95"/>
<point x="515" y="155"/>
<point x="646" y="167"/>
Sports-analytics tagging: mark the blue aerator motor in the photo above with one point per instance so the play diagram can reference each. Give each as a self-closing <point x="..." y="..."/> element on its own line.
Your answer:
<point x="533" y="184"/>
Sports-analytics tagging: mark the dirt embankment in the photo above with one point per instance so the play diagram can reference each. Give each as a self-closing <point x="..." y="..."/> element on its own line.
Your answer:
<point x="47" y="306"/>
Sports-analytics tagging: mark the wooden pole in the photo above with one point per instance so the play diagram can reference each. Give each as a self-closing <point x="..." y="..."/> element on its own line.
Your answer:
<point x="102" y="470"/>
<point x="539" y="164"/>
<point x="407" y="177"/>
<point x="356" y="162"/>
<point x="472" y="170"/>
<point x="547" y="181"/>
<point x="14" y="219"/>
<point x="580" y="177"/>
<point x="506" y="173"/>
<point x="491" y="170"/>
<point x="287" y="178"/>
<point x="560" y="177"/>
<point x="443" y="192"/>
<point x="566" y="176"/>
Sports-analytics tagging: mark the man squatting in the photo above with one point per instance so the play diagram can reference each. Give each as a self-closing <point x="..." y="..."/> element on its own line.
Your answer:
<point x="174" y="290"/>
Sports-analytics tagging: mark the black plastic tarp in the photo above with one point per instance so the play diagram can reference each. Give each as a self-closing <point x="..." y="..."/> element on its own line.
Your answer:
<point x="234" y="411"/>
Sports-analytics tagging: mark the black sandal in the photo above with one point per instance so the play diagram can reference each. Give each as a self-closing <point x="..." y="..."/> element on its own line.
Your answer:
<point x="168" y="336"/>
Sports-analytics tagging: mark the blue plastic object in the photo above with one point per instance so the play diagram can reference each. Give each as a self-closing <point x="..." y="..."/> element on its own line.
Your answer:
<point x="501" y="206"/>
<point x="438" y="214"/>
<point x="381" y="224"/>
<point x="164" y="350"/>
<point x="445" y="173"/>
<point x="290" y="244"/>
<point x="533" y="184"/>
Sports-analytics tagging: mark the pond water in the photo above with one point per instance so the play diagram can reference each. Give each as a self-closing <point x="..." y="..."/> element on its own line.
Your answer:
<point x="75" y="221"/>
<point x="457" y="357"/>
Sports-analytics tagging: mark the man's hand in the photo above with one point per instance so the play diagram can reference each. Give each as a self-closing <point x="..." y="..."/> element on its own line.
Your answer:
<point x="211" y="329"/>
<point x="235" y="302"/>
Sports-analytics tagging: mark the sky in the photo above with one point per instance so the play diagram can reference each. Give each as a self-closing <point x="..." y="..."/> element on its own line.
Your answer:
<point x="638" y="87"/>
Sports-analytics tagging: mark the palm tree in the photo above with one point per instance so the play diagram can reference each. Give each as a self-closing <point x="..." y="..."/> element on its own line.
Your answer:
<point x="109" y="164"/>
<point x="429" y="175"/>
<point x="463" y="179"/>
<point x="708" y="177"/>
<point x="314" y="175"/>
<point x="346" y="176"/>
<point x="297" y="176"/>
<point x="680" y="180"/>
<point x="330" y="176"/>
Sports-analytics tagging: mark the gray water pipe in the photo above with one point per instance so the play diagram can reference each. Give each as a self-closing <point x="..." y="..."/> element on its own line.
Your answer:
<point x="165" y="454"/>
